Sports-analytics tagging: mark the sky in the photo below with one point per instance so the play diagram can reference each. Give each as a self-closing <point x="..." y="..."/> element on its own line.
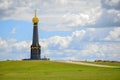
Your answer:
<point x="68" y="29"/>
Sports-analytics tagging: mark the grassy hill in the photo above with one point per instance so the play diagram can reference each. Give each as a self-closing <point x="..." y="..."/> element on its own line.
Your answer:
<point x="49" y="70"/>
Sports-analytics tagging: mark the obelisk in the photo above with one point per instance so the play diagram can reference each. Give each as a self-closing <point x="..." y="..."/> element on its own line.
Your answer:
<point x="35" y="47"/>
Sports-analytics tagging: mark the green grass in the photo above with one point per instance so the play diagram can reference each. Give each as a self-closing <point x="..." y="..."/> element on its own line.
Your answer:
<point x="48" y="70"/>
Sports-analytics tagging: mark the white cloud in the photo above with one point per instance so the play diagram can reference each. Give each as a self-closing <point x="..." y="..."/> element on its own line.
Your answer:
<point x="71" y="20"/>
<point x="54" y="14"/>
<point x="56" y="42"/>
<point x="114" y="35"/>
<point x="91" y="51"/>
<point x="11" y="49"/>
<point x="13" y="31"/>
<point x="115" y="15"/>
<point x="63" y="15"/>
<point x="82" y="19"/>
<point x="92" y="48"/>
<point x="73" y="46"/>
<point x="21" y="45"/>
<point x="108" y="18"/>
<point x="80" y="50"/>
<point x="79" y="34"/>
<point x="111" y="4"/>
<point x="110" y="15"/>
<point x="111" y="50"/>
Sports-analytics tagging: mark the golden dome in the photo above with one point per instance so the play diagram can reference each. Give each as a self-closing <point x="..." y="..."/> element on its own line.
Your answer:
<point x="35" y="19"/>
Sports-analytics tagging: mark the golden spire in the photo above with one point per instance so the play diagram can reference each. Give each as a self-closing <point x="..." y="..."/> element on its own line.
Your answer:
<point x="35" y="19"/>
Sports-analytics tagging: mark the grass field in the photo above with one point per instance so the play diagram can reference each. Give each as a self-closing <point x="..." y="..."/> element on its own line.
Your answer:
<point x="49" y="70"/>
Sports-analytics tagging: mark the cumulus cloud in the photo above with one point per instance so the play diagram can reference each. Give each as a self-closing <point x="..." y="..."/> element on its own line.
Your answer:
<point x="90" y="51"/>
<point x="64" y="15"/>
<point x="110" y="15"/>
<point x="82" y="19"/>
<point x="54" y="14"/>
<point x="72" y="20"/>
<point x="78" y="45"/>
<point x="108" y="18"/>
<point x="114" y="35"/>
<point x="11" y="49"/>
<point x="111" y="4"/>
<point x="11" y="10"/>
<point x="80" y="49"/>
<point x="56" y="42"/>
<point x="80" y="36"/>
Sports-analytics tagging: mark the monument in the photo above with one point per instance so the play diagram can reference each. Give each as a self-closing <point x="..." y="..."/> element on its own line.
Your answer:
<point x="35" y="47"/>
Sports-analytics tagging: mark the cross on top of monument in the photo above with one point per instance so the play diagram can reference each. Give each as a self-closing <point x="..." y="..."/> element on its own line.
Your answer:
<point x="35" y="12"/>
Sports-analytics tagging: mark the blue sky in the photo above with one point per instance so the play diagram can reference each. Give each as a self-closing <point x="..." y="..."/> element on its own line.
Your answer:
<point x="68" y="29"/>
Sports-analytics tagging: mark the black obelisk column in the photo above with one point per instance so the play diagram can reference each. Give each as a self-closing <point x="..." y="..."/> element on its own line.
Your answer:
<point x="35" y="47"/>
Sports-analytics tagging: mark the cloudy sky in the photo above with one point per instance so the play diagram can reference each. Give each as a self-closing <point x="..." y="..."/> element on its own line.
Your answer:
<point x="68" y="29"/>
